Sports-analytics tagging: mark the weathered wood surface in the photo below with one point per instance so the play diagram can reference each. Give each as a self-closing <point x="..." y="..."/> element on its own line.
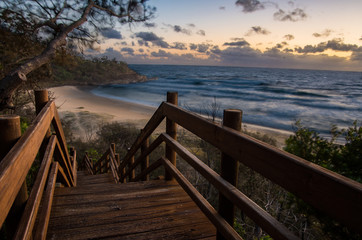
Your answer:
<point x="100" y="209"/>
<point x="320" y="187"/>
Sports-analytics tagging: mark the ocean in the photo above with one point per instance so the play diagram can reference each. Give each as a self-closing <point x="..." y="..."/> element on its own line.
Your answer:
<point x="274" y="98"/>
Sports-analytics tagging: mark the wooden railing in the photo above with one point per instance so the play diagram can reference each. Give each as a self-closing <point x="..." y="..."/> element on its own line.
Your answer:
<point x="45" y="138"/>
<point x="331" y="193"/>
<point x="108" y="162"/>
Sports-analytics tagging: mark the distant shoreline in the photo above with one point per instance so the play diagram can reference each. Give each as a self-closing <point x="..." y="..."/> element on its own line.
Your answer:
<point x="77" y="99"/>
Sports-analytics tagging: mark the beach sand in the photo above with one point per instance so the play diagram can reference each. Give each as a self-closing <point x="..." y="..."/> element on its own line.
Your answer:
<point x="80" y="100"/>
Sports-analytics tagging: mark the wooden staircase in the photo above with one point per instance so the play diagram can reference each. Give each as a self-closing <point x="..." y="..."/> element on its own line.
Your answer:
<point x="115" y="204"/>
<point x="100" y="209"/>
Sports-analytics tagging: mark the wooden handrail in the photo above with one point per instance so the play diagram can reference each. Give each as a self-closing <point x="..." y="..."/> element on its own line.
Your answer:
<point x="329" y="192"/>
<point x="28" y="218"/>
<point x="15" y="166"/>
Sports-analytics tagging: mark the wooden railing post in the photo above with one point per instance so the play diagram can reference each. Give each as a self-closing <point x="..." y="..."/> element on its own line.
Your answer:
<point x="171" y="130"/>
<point x="229" y="168"/>
<point x="41" y="99"/>
<point x="146" y="160"/>
<point x="133" y="174"/>
<point x="10" y="133"/>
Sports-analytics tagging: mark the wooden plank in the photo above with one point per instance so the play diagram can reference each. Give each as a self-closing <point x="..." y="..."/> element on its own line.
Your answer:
<point x="101" y="231"/>
<point x="16" y="164"/>
<point x="336" y="195"/>
<point x="27" y="220"/>
<point x="113" y="164"/>
<point x="142" y="210"/>
<point x="44" y="216"/>
<point x="63" y="163"/>
<point x="74" y="167"/>
<point x="60" y="135"/>
<point x="222" y="226"/>
<point x="250" y="208"/>
<point x="63" y="178"/>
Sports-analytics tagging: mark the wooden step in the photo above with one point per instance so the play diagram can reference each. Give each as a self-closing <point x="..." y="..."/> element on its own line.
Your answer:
<point x="142" y="210"/>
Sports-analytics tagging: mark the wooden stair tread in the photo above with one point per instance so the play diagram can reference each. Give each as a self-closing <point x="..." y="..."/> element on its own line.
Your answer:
<point x="100" y="209"/>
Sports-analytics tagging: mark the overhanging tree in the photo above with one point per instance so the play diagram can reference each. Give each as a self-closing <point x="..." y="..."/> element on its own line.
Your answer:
<point x="60" y="24"/>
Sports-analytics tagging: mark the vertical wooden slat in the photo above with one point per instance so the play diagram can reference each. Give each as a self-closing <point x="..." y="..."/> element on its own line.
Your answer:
<point x="229" y="169"/>
<point x="145" y="160"/>
<point x="132" y="174"/>
<point x="171" y="130"/>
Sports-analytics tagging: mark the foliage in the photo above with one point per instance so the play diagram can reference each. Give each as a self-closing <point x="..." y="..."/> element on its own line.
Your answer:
<point x="345" y="159"/>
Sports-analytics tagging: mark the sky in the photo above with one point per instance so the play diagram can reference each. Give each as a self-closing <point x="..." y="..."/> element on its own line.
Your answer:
<point x="299" y="34"/>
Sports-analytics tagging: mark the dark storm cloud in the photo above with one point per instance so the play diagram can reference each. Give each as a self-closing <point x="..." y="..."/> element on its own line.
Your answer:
<point x="325" y="33"/>
<point x="250" y="5"/>
<point x="111" y="33"/>
<point x="240" y="42"/>
<point x="151" y="37"/>
<point x="201" y="32"/>
<point x="257" y="30"/>
<point x="297" y="14"/>
<point x="335" y="44"/>
<point x="289" y="37"/>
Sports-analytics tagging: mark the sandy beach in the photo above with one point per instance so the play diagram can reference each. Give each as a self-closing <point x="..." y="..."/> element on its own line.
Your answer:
<point x="80" y="99"/>
<point x="72" y="99"/>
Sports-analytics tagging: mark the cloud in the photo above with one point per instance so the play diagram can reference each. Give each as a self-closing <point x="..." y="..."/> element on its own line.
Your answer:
<point x="179" y="29"/>
<point x="151" y="37"/>
<point x="325" y="33"/>
<point x="201" y="32"/>
<point x="357" y="55"/>
<point x="240" y="42"/>
<point x="201" y="48"/>
<point x="150" y="25"/>
<point x="222" y="8"/>
<point x="191" y="25"/>
<point x="281" y="45"/>
<point x="161" y="54"/>
<point x="250" y="5"/>
<point x="111" y="33"/>
<point x="130" y="51"/>
<point x="193" y="46"/>
<point x="257" y="30"/>
<point x="289" y="37"/>
<point x="335" y="44"/>
<point x="179" y="45"/>
<point x="297" y="14"/>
